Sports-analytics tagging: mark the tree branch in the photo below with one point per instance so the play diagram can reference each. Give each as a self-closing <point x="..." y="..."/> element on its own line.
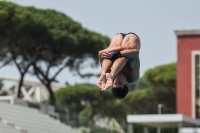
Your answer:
<point x="53" y="78"/>
<point x="30" y="63"/>
<point x="37" y="70"/>
<point x="14" y="58"/>
<point x="40" y="78"/>
<point x="48" y="68"/>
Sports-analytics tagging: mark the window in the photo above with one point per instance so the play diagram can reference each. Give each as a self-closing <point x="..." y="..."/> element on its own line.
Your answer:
<point x="197" y="85"/>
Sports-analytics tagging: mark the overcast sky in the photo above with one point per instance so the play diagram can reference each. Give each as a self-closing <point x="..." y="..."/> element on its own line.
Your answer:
<point x="153" y="20"/>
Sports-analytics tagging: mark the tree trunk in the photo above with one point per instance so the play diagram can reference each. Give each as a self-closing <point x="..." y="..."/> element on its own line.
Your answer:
<point x="51" y="94"/>
<point x="20" y="85"/>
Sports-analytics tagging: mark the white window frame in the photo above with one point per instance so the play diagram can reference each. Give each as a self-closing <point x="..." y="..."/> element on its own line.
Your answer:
<point x="193" y="82"/>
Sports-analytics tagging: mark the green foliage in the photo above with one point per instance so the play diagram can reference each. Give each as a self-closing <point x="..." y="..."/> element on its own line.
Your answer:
<point x="88" y="101"/>
<point x="140" y="84"/>
<point x="146" y="101"/>
<point x="140" y="102"/>
<point x="52" y="33"/>
<point x="161" y="76"/>
<point x="47" y="40"/>
<point x="161" y="82"/>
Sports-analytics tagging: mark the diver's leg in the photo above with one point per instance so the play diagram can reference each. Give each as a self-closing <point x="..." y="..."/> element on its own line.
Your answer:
<point x="106" y="65"/>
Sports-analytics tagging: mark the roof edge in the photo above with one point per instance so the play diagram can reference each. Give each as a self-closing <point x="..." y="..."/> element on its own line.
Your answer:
<point x="187" y="32"/>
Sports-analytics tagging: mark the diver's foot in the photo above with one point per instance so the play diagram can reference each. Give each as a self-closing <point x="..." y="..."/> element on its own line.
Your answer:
<point x="102" y="81"/>
<point x="108" y="81"/>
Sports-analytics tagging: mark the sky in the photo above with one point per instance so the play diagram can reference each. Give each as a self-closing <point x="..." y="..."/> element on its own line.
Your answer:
<point x="153" y="21"/>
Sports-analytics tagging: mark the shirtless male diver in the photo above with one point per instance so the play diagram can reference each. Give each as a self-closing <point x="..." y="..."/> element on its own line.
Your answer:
<point x="120" y="64"/>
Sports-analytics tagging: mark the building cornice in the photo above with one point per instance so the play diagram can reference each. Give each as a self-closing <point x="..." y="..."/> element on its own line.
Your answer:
<point x="187" y="32"/>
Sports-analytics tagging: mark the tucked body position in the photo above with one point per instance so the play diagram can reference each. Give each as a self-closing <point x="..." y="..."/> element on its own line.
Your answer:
<point x="120" y="64"/>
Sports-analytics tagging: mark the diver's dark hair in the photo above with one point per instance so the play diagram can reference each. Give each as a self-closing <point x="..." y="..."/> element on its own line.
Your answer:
<point x="120" y="93"/>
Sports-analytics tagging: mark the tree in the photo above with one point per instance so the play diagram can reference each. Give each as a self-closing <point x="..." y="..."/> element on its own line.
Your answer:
<point x="70" y="46"/>
<point x="161" y="82"/>
<point x="163" y="76"/>
<point x="46" y="40"/>
<point x="88" y="101"/>
<point x="140" y="84"/>
<point x="16" y="39"/>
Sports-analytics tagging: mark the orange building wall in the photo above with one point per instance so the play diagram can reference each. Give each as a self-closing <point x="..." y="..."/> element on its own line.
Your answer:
<point x="186" y="44"/>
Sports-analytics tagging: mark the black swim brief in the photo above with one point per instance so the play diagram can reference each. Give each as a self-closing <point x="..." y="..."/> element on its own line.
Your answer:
<point x="124" y="34"/>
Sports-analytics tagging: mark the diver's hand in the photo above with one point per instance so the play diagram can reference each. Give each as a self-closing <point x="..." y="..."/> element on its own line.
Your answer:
<point x="105" y="55"/>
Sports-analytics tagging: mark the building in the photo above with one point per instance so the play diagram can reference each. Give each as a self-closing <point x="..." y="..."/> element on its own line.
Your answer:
<point x="188" y="73"/>
<point x="35" y="92"/>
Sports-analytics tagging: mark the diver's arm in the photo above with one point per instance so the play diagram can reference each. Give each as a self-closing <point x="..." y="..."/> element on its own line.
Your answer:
<point x="117" y="66"/>
<point x="129" y="53"/>
<point x="114" y="49"/>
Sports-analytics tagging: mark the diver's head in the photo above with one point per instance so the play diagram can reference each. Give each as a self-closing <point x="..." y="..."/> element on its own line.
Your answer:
<point x="120" y="86"/>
